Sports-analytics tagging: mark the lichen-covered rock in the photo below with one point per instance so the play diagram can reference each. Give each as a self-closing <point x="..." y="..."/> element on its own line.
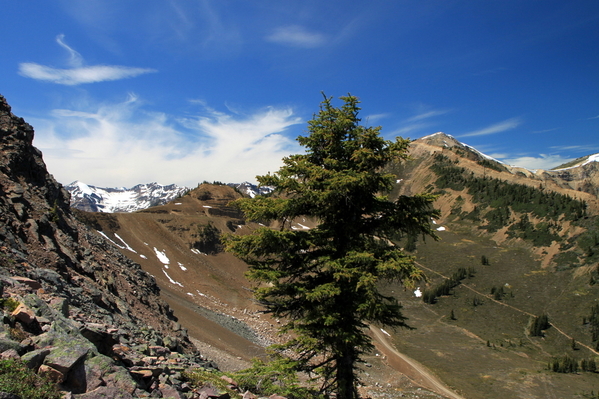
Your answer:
<point x="6" y="344"/>
<point x="35" y="358"/>
<point x="122" y="380"/>
<point x="64" y="356"/>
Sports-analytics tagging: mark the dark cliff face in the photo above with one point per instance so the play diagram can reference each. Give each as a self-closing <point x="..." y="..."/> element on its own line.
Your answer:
<point x="41" y="239"/>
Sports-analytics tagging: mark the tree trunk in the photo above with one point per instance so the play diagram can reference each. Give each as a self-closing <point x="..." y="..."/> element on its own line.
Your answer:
<point x="346" y="380"/>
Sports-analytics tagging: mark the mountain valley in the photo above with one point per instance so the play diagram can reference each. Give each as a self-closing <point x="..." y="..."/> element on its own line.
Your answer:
<point x="514" y="245"/>
<point x="490" y="331"/>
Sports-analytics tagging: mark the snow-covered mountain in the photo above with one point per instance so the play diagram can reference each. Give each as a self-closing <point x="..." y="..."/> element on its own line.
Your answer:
<point x="251" y="189"/>
<point x="99" y="199"/>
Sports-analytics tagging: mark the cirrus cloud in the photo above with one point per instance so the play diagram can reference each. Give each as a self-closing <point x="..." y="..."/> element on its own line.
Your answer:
<point x="76" y="76"/>
<point x="508" y="124"/>
<point x="78" y="73"/>
<point x="296" y="36"/>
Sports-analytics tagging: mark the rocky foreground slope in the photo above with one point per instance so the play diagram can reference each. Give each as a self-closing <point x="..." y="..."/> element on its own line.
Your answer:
<point x="74" y="307"/>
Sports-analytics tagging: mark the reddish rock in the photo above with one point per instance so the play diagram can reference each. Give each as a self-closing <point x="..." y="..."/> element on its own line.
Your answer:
<point x="34" y="285"/>
<point x="229" y="380"/>
<point x="10" y="354"/>
<point x="24" y="314"/>
<point x="52" y="373"/>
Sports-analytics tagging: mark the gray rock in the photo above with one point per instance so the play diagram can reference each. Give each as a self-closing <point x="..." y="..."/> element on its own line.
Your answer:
<point x="105" y="392"/>
<point x="95" y="370"/>
<point x="35" y="358"/>
<point x="122" y="380"/>
<point x="170" y="392"/>
<point x="6" y="344"/>
<point x="65" y="356"/>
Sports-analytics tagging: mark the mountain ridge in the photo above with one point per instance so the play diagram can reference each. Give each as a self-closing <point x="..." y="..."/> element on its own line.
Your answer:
<point x="91" y="198"/>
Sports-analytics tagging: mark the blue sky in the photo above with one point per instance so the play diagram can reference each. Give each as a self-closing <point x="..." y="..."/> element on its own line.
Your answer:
<point x="181" y="91"/>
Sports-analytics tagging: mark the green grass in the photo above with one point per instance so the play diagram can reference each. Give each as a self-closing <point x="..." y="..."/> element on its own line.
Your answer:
<point x="17" y="379"/>
<point x="514" y="364"/>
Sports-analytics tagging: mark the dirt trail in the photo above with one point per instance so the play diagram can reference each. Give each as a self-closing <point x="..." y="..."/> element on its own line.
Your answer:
<point x="490" y="298"/>
<point x="409" y="367"/>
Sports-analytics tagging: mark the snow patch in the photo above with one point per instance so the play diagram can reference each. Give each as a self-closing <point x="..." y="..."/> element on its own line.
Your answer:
<point x="162" y="257"/>
<point x="301" y="226"/>
<point x="441" y="228"/>
<point x="591" y="158"/>
<point x="182" y="266"/>
<point x="385" y="332"/>
<point x="418" y="293"/>
<point x="171" y="280"/>
<point x="108" y="238"/>
<point x="143" y="256"/>
<point x="126" y="245"/>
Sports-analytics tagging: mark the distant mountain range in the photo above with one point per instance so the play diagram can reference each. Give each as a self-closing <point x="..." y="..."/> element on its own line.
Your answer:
<point x="90" y="198"/>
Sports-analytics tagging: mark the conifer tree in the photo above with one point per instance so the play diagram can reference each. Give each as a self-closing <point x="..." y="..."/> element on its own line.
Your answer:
<point x="324" y="282"/>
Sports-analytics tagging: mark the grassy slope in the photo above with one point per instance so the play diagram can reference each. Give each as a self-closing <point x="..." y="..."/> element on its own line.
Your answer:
<point x="486" y="352"/>
<point x="514" y="363"/>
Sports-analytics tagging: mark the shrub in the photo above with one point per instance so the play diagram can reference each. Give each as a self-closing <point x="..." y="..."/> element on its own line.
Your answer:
<point x="276" y="377"/>
<point x="17" y="379"/>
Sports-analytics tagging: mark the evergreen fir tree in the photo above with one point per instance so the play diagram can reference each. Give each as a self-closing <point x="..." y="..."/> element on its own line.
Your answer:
<point x="452" y="315"/>
<point x="324" y="282"/>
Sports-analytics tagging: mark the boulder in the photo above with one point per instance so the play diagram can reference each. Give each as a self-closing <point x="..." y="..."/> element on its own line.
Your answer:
<point x="95" y="370"/>
<point x="122" y="380"/>
<point x="65" y="356"/>
<point x="105" y="392"/>
<point x="6" y="344"/>
<point x="53" y="374"/>
<point x="24" y="314"/>
<point x="35" y="358"/>
<point x="10" y="354"/>
<point x="34" y="285"/>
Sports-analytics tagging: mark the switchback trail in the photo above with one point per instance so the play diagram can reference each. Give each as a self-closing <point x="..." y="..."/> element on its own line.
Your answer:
<point x="409" y="367"/>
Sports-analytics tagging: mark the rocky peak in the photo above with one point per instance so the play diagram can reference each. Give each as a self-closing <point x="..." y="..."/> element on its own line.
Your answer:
<point x="72" y="289"/>
<point x="440" y="139"/>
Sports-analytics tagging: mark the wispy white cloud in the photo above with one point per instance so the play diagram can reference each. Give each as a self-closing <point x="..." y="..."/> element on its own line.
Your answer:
<point x="76" y="76"/>
<point x="579" y="148"/>
<point x="123" y="144"/>
<point x="297" y="36"/>
<point x="374" y="118"/>
<point x="78" y="73"/>
<point x="76" y="60"/>
<point x="411" y="128"/>
<point x="542" y="161"/>
<point x="594" y="117"/>
<point x="426" y="115"/>
<point x="496" y="128"/>
<point x="546" y="130"/>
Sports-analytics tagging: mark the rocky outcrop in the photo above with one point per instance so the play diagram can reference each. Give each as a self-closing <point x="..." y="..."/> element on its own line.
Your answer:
<point x="84" y="313"/>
